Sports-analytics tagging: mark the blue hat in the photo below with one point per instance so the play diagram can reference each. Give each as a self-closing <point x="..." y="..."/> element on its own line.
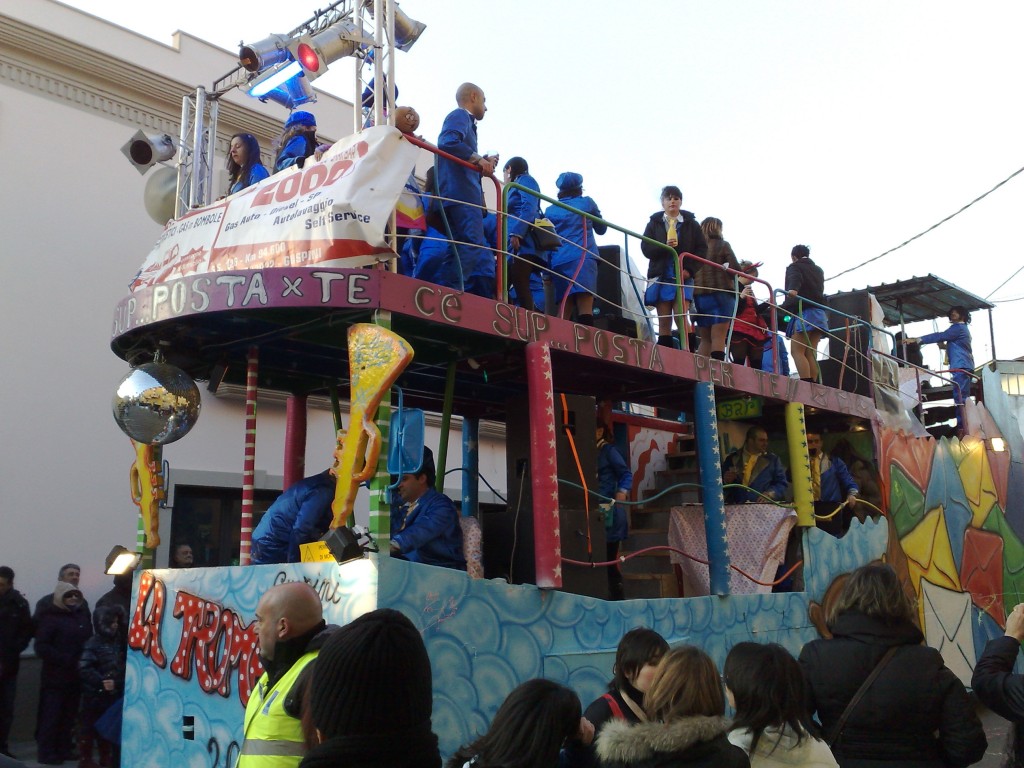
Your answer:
<point x="569" y="180"/>
<point x="300" y="118"/>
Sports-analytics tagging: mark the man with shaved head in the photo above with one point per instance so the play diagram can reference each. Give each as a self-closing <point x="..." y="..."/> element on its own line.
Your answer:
<point x="291" y="630"/>
<point x="461" y="196"/>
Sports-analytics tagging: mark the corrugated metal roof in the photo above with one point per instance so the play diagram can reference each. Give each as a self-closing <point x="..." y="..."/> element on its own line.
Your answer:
<point x="921" y="298"/>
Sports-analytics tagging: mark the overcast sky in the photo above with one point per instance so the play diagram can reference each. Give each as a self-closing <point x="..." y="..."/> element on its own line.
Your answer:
<point x="848" y="126"/>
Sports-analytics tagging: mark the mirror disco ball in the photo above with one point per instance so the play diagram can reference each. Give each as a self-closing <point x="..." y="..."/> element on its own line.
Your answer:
<point x="156" y="404"/>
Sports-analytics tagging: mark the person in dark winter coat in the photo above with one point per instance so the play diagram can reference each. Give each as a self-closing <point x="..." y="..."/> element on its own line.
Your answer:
<point x="371" y="697"/>
<point x="69" y="573"/>
<point x="614" y="484"/>
<point x="15" y="634"/>
<point x="101" y="673"/>
<point x="999" y="688"/>
<point x="636" y="661"/>
<point x="62" y="632"/>
<point x="679" y="230"/>
<point x="528" y="729"/>
<point x="687" y="724"/>
<point x="916" y="712"/>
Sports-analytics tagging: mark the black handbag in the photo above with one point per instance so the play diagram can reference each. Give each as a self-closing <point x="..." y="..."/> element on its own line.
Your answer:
<point x="544" y="237"/>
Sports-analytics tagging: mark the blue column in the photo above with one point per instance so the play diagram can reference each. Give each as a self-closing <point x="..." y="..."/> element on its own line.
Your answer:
<point x="709" y="454"/>
<point x="470" y="467"/>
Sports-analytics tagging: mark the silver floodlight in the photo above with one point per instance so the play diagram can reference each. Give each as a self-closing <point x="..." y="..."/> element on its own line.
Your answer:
<point x="264" y="54"/>
<point x="144" y="151"/>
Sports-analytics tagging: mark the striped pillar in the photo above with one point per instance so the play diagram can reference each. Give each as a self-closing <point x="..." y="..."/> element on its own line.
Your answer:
<point x="709" y="455"/>
<point x="547" y="542"/>
<point x="294" y="440"/>
<point x="249" y="461"/>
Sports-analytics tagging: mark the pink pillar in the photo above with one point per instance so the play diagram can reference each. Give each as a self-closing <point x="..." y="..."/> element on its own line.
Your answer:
<point x="547" y="543"/>
<point x="295" y="440"/>
<point x="249" y="463"/>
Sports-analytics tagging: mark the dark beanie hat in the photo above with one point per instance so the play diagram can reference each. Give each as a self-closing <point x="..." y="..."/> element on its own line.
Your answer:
<point x="372" y="677"/>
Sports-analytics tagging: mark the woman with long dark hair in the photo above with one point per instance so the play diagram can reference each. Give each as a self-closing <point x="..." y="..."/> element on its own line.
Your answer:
<point x="527" y="731"/>
<point x="914" y="712"/>
<point x="766" y="687"/>
<point x="245" y="162"/>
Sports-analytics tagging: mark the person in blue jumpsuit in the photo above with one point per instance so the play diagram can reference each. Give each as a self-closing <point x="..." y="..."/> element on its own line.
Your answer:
<point x="297" y="142"/>
<point x="523" y="210"/>
<point x="575" y="262"/>
<point x="765" y="476"/>
<point x="461" y="196"/>
<point x="961" y="358"/>
<point x="614" y="482"/>
<point x="300" y="515"/>
<point x="425" y="528"/>
<point x="831" y="482"/>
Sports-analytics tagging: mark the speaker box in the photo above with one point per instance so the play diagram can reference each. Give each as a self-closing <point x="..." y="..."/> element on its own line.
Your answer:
<point x="508" y="535"/>
<point x="848" y="367"/>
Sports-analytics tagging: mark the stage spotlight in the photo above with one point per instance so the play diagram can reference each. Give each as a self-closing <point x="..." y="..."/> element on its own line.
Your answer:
<point x="264" y="54"/>
<point x="144" y="151"/>
<point x="407" y="31"/>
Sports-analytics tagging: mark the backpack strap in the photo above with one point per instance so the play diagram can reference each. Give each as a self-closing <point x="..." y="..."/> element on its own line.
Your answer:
<point x="613" y="705"/>
<point x="838" y="730"/>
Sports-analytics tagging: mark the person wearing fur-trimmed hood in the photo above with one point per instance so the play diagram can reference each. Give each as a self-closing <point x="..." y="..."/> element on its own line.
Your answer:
<point x="687" y="725"/>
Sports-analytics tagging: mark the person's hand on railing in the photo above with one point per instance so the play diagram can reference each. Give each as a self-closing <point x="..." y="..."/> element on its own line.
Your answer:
<point x="488" y="163"/>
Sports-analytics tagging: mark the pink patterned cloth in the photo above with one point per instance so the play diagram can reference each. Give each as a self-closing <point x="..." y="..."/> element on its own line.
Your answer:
<point x="472" y="546"/>
<point x="757" y="536"/>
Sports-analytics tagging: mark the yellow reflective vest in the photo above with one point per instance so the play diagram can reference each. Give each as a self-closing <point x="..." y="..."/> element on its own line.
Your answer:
<point x="272" y="737"/>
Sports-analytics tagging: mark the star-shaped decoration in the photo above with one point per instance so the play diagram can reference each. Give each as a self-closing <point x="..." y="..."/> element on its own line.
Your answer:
<point x="554" y="497"/>
<point x="547" y="374"/>
<point x="552" y="443"/>
<point x="558" y="568"/>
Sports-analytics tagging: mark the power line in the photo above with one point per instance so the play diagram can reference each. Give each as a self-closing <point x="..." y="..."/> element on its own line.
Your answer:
<point x="1004" y="282"/>
<point x="933" y="226"/>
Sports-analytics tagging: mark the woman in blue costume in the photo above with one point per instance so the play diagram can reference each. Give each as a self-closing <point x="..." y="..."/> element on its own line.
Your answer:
<point x="575" y="263"/>
<point x="245" y="164"/>
<point x="297" y="142"/>
<point x="523" y="210"/>
<point x="436" y="259"/>
<point x="614" y="483"/>
<point x="961" y="357"/>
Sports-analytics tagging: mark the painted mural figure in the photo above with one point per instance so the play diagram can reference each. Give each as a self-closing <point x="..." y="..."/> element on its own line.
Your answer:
<point x="371" y="699"/>
<point x="915" y="712"/>
<point x="998" y="687"/>
<point x="426" y="528"/>
<point x="291" y="631"/>
<point x="298" y="516"/>
<point x="753" y="466"/>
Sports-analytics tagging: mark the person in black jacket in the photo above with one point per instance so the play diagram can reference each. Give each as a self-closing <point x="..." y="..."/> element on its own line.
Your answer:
<point x="636" y="661"/>
<point x="916" y="712"/>
<point x="999" y="689"/>
<point x="101" y="672"/>
<point x="63" y="629"/>
<point x="679" y="230"/>
<point x="15" y="634"/>
<point x="686" y="726"/>
<point x="805" y="282"/>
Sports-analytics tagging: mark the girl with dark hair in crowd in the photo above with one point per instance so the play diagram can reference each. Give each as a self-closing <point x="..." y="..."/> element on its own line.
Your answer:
<point x="528" y="730"/>
<point x="766" y="687"/>
<point x="714" y="296"/>
<point x="749" y="332"/>
<point x="245" y="163"/>
<point x="636" y="660"/>
<point x="686" y="724"/>
<point x="914" y="712"/>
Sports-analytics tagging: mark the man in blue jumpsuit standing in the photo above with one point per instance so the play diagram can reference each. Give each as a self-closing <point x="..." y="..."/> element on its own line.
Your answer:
<point x="426" y="528"/>
<point x="299" y="515"/>
<point x="754" y="467"/>
<point x="961" y="358"/>
<point x="832" y="483"/>
<point x="460" y="191"/>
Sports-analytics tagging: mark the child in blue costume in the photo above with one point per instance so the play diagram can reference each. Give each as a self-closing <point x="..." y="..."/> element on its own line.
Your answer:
<point x="297" y="142"/>
<point x="523" y="210"/>
<point x="961" y="357"/>
<point x="575" y="262"/>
